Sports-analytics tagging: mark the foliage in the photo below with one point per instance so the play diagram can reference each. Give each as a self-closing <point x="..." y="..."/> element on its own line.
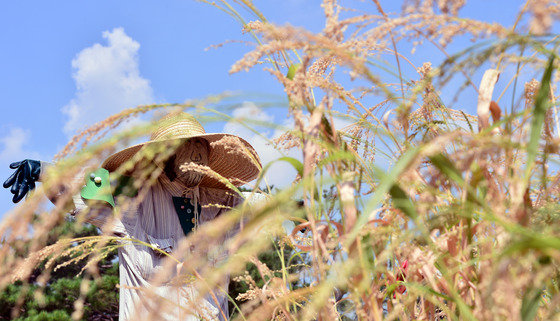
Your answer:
<point x="56" y="300"/>
<point x="430" y="212"/>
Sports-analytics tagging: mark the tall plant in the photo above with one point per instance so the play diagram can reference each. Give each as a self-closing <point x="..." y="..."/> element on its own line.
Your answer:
<point x="411" y="210"/>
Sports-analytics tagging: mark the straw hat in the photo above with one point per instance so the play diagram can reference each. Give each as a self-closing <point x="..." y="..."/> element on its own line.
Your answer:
<point x="230" y="156"/>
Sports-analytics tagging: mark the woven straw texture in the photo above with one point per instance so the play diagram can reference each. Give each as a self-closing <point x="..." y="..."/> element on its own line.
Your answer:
<point x="231" y="157"/>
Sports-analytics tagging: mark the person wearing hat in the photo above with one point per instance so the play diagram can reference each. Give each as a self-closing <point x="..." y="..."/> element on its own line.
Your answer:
<point x="184" y="174"/>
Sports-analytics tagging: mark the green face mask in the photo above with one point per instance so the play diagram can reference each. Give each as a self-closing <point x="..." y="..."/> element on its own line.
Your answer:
<point x="98" y="187"/>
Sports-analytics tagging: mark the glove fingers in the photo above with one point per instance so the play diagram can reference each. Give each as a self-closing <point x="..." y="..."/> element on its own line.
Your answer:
<point x="21" y="193"/>
<point x="17" y="182"/>
<point x="23" y="179"/>
<point x="15" y="165"/>
<point x="26" y="173"/>
<point x="10" y="180"/>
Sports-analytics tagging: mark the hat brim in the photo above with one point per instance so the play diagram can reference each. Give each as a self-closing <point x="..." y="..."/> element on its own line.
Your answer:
<point x="238" y="164"/>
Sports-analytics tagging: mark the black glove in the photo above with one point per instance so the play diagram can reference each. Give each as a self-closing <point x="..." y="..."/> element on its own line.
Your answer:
<point x="24" y="178"/>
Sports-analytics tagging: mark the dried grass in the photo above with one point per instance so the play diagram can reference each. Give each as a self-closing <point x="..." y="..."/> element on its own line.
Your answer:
<point x="408" y="213"/>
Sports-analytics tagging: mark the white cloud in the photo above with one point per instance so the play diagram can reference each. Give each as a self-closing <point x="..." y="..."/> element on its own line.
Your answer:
<point x="248" y="112"/>
<point x="12" y="146"/>
<point x="107" y="80"/>
<point x="280" y="174"/>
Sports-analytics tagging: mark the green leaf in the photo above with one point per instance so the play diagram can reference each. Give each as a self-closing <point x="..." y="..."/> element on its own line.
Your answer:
<point x="533" y="242"/>
<point x="530" y="304"/>
<point x="292" y="71"/>
<point x="441" y="162"/>
<point x="468" y="121"/>
<point x="298" y="166"/>
<point x="386" y="182"/>
<point x="541" y="105"/>
<point x="446" y="167"/>
<point x="402" y="202"/>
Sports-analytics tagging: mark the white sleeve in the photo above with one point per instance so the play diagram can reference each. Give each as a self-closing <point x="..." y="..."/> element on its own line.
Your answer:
<point x="101" y="216"/>
<point x="255" y="198"/>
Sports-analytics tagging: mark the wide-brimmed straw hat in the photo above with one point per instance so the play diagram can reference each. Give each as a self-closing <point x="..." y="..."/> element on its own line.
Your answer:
<point x="230" y="157"/>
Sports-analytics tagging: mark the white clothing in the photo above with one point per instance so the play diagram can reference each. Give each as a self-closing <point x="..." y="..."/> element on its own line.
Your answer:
<point x="155" y="221"/>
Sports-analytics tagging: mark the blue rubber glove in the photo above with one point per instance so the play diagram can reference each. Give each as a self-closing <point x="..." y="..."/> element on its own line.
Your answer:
<point x="24" y="178"/>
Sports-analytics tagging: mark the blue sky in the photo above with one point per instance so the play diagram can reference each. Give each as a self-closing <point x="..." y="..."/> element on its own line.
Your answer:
<point x="80" y="56"/>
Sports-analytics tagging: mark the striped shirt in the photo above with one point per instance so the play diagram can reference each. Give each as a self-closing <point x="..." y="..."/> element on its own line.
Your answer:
<point x="153" y="220"/>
